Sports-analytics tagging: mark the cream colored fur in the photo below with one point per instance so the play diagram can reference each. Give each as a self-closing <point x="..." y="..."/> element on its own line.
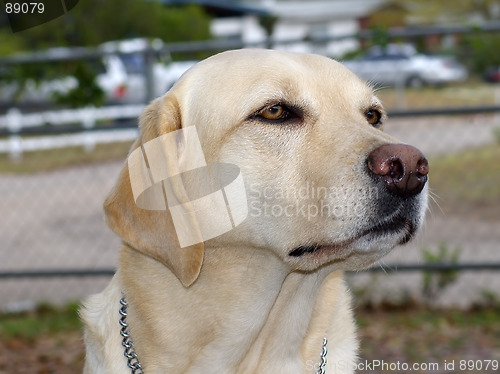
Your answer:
<point x="239" y="303"/>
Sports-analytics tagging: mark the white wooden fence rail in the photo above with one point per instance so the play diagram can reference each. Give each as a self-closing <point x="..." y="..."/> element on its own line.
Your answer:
<point x="14" y="121"/>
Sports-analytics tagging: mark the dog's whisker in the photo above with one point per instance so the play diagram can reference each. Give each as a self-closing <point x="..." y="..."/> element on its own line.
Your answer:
<point x="383" y="266"/>
<point x="434" y="197"/>
<point x="377" y="88"/>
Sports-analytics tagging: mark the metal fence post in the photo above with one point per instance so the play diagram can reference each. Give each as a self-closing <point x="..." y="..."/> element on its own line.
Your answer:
<point x="496" y="117"/>
<point x="149" y="74"/>
<point x="401" y="94"/>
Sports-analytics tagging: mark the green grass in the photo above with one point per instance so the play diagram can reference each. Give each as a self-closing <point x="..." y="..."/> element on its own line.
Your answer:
<point x="416" y="334"/>
<point x="457" y="95"/>
<point x="470" y="177"/>
<point x="45" y="320"/>
<point x="49" y="339"/>
<point x="40" y="161"/>
<point x="412" y="316"/>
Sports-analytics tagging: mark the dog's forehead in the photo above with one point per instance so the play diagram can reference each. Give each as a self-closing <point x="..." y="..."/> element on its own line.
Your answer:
<point x="260" y="65"/>
<point x="253" y="77"/>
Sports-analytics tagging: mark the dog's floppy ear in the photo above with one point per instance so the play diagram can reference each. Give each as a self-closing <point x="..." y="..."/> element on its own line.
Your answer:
<point x="152" y="231"/>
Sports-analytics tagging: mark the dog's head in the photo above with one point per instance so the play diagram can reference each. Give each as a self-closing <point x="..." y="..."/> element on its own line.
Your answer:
<point x="324" y="184"/>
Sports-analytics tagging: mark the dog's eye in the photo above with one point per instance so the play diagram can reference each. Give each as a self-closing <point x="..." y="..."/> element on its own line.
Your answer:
<point x="275" y="112"/>
<point x="373" y="116"/>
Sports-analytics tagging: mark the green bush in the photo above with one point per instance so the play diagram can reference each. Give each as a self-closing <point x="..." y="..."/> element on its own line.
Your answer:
<point x="89" y="24"/>
<point x="480" y="51"/>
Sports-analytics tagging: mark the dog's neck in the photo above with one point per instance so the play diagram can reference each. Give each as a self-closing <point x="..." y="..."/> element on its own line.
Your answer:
<point x="245" y="309"/>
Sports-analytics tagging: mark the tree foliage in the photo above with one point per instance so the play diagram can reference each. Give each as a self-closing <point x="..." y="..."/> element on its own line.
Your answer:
<point x="480" y="50"/>
<point x="88" y="91"/>
<point x="448" y="11"/>
<point x="89" y="24"/>
<point x="92" y="22"/>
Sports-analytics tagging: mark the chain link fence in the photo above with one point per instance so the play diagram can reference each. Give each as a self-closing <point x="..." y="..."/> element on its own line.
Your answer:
<point x="56" y="248"/>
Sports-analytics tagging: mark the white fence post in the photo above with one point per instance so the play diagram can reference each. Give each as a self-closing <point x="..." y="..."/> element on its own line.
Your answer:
<point x="14" y="119"/>
<point x="88" y="122"/>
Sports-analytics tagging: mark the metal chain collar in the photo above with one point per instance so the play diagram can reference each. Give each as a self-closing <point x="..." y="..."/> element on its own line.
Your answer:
<point x="322" y="364"/>
<point x="133" y="361"/>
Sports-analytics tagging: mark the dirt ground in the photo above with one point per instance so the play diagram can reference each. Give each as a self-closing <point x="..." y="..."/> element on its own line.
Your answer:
<point x="429" y="341"/>
<point x="60" y="353"/>
<point x="390" y="338"/>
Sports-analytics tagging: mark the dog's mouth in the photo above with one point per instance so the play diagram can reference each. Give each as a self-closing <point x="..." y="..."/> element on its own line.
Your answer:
<point x="395" y="226"/>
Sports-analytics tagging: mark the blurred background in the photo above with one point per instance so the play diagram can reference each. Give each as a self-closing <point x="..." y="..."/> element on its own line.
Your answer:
<point x="72" y="88"/>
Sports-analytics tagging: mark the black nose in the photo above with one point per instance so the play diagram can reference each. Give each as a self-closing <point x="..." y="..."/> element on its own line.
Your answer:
<point x="401" y="167"/>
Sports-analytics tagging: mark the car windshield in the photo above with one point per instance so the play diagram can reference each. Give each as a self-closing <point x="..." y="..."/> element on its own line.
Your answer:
<point x="134" y="63"/>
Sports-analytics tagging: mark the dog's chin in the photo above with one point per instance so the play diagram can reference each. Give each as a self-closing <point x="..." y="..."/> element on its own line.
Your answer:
<point x="396" y="230"/>
<point x="358" y="252"/>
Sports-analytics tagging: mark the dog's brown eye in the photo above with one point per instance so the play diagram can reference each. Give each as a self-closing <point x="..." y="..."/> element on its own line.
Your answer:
<point x="373" y="117"/>
<point x="274" y="112"/>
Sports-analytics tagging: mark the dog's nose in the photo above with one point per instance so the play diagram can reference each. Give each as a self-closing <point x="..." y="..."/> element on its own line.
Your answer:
<point x="401" y="167"/>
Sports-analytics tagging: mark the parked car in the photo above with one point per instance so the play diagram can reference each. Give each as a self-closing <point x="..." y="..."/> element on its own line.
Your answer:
<point x="402" y="65"/>
<point x="132" y="57"/>
<point x="111" y="77"/>
<point x="121" y="74"/>
<point x="492" y="75"/>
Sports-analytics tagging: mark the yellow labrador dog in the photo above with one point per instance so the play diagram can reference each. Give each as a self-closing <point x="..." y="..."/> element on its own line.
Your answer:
<point x="325" y="191"/>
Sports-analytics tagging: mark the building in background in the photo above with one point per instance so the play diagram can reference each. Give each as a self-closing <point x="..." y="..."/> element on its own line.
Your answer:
<point x="301" y="26"/>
